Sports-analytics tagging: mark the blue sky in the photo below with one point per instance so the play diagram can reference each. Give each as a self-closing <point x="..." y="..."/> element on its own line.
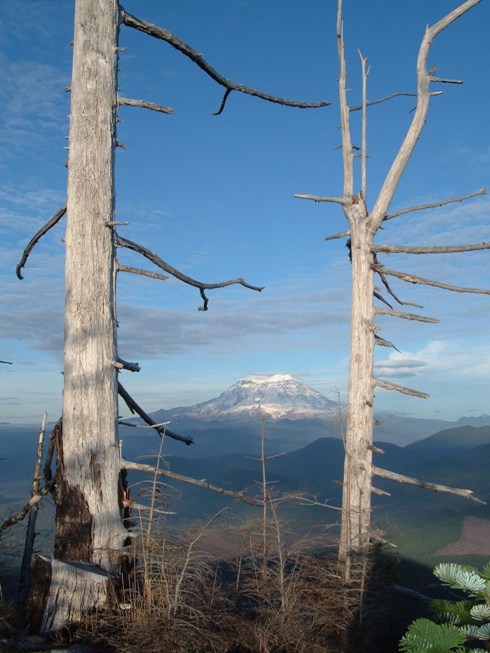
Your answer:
<point x="213" y="195"/>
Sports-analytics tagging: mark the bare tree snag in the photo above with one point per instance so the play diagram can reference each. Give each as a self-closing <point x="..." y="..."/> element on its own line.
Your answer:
<point x="87" y="497"/>
<point x="90" y="533"/>
<point x="89" y="529"/>
<point x="363" y="225"/>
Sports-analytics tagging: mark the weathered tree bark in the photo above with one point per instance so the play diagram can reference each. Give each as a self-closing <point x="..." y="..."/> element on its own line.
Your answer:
<point x="358" y="456"/>
<point x="88" y="520"/>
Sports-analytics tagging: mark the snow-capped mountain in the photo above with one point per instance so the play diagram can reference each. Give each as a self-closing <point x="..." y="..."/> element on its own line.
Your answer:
<point x="276" y="396"/>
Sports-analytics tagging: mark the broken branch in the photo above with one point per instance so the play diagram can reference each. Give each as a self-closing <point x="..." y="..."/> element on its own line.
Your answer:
<point x="402" y="249"/>
<point x="371" y="103"/>
<point x="33" y="501"/>
<point x="32" y="243"/>
<point x="400" y="388"/>
<point x="144" y="104"/>
<point x="135" y="408"/>
<point x="382" y="342"/>
<point x="435" y="487"/>
<point x="127" y="464"/>
<point x="411" y="278"/>
<point x="320" y="198"/>
<point x="433" y="205"/>
<point x="151" y="256"/>
<point x="164" y="35"/>
<point x="391" y="292"/>
<point x="145" y="273"/>
<point x="406" y="316"/>
<point x="121" y="364"/>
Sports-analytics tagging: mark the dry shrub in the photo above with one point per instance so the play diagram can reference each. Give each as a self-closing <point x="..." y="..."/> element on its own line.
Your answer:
<point x="173" y="604"/>
<point x="302" y="607"/>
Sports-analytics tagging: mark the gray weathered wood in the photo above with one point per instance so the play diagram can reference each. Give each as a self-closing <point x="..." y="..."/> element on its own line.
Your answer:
<point x="89" y="528"/>
<point x="426" y="485"/>
<point x="89" y="457"/>
<point x="76" y="587"/>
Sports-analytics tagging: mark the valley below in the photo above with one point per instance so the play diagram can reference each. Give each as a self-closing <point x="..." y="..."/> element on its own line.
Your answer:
<point x="304" y="467"/>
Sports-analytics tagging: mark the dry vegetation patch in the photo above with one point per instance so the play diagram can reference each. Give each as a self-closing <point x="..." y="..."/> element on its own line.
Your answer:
<point x="181" y="600"/>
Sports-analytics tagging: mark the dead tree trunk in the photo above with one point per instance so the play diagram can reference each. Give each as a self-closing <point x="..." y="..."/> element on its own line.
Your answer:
<point x="358" y="458"/>
<point x="88" y="521"/>
<point x="88" y="524"/>
<point x="90" y="534"/>
<point x="363" y="224"/>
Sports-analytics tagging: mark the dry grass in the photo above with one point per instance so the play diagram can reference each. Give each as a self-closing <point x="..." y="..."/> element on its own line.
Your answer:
<point x="181" y="600"/>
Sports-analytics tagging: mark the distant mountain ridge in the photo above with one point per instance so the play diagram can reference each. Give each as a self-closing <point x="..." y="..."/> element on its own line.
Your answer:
<point x="452" y="442"/>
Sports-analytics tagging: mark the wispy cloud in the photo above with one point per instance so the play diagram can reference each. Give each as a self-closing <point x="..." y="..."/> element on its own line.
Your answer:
<point x="33" y="102"/>
<point x="273" y="323"/>
<point x="439" y="358"/>
<point x="398" y="367"/>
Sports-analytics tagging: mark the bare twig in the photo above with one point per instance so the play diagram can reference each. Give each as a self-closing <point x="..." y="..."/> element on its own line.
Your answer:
<point x="135" y="408"/>
<point x="144" y="104"/>
<point x="127" y="464"/>
<point x="33" y="501"/>
<point x="384" y="280"/>
<point x="142" y="426"/>
<point x="370" y="103"/>
<point x="320" y="198"/>
<point x="151" y="256"/>
<point x="32" y="243"/>
<point x="434" y="205"/>
<point x="411" y="278"/>
<point x="382" y="299"/>
<point x="442" y="80"/>
<point x="384" y="343"/>
<point x="304" y="500"/>
<point x="435" y="487"/>
<point x="145" y="273"/>
<point x="340" y="234"/>
<point x="164" y="35"/>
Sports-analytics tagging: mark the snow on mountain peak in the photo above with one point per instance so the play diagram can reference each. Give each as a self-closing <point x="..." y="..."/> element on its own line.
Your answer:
<point x="278" y="396"/>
